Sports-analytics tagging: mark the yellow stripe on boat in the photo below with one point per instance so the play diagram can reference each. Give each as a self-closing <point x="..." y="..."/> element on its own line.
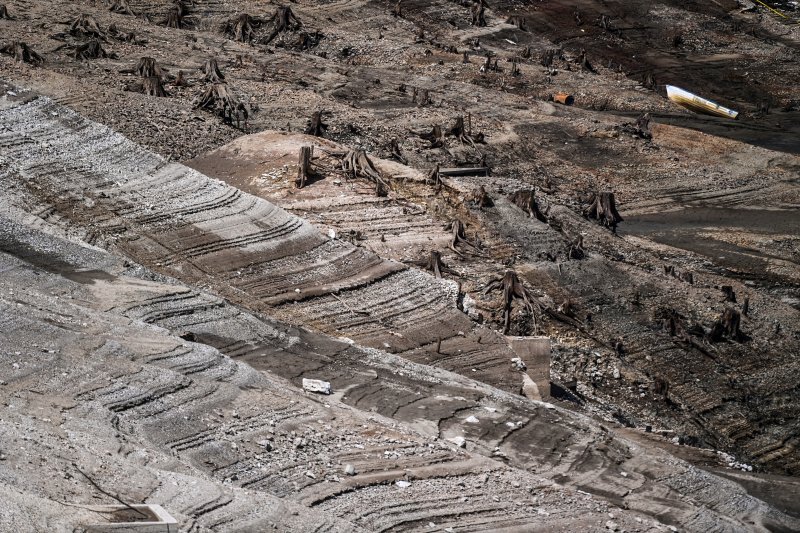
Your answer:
<point x="698" y="104"/>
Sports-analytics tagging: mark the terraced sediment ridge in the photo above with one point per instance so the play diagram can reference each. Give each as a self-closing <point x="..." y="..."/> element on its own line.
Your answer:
<point x="101" y="383"/>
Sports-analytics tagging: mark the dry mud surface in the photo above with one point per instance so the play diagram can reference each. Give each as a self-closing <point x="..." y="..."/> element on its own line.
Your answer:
<point x="165" y="287"/>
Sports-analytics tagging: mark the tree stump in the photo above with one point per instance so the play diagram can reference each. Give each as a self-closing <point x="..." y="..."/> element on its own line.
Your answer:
<point x="218" y="98"/>
<point x="147" y="68"/>
<point x="397" y="10"/>
<point x="285" y="20"/>
<point x="242" y="28"/>
<point x="513" y="289"/>
<point x="4" y="13"/>
<point x="316" y="127"/>
<point x="518" y="21"/>
<point x="479" y="14"/>
<point x="22" y="52"/>
<point x="575" y="249"/>
<point x="459" y="238"/>
<point x="526" y="200"/>
<point x="357" y="164"/>
<point x="395" y="153"/>
<point x="121" y="6"/>
<point x="435" y="137"/>
<point x="459" y="132"/>
<point x="151" y="86"/>
<point x="436" y="265"/>
<point x="174" y="17"/>
<point x="603" y="208"/>
<point x="434" y="177"/>
<point x="730" y="296"/>
<point x="584" y="62"/>
<point x="181" y="81"/>
<point x="727" y="326"/>
<point x="481" y="198"/>
<point x="745" y="306"/>
<point x="86" y="26"/>
<point x="304" y="171"/>
<point x="211" y="71"/>
<point x="91" y="50"/>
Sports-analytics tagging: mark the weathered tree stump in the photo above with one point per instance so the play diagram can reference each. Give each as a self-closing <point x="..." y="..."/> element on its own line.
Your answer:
<point x="649" y="81"/>
<point x="395" y="153"/>
<point x="745" y="306"/>
<point x="174" y="17"/>
<point x="433" y="177"/>
<point x="121" y="6"/>
<point x="181" y="81"/>
<point x="465" y="60"/>
<point x="151" y="86"/>
<point x="211" y="71"/>
<point x="605" y="23"/>
<point x="218" y="98"/>
<point x="421" y="97"/>
<point x="479" y="13"/>
<point x="688" y="277"/>
<point x="459" y="238"/>
<point x="513" y="289"/>
<point x="518" y="21"/>
<point x="436" y="265"/>
<point x="661" y="386"/>
<point x="304" y="171"/>
<point x="4" y="13"/>
<point x="730" y="296"/>
<point x="603" y="208"/>
<point x="727" y="326"/>
<point x="284" y="20"/>
<point x="147" y="68"/>
<point x="397" y="10"/>
<point x="316" y="127"/>
<point x="86" y="26"/>
<point x="435" y="136"/>
<point x="22" y="53"/>
<point x="114" y="32"/>
<point x="583" y="61"/>
<point x="575" y="249"/>
<point x="357" y="164"/>
<point x="481" y="199"/>
<point x="547" y="58"/>
<point x="526" y="200"/>
<point x="459" y="132"/>
<point x="91" y="50"/>
<point x="242" y="28"/>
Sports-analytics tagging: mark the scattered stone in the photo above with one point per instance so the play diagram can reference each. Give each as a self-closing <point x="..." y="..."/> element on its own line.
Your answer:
<point x="461" y="442"/>
<point x="350" y="470"/>
<point x="402" y="484"/>
<point x="472" y="419"/>
<point x="519" y="364"/>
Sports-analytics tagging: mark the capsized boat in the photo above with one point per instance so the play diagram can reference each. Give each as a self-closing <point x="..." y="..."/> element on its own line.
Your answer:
<point x="698" y="104"/>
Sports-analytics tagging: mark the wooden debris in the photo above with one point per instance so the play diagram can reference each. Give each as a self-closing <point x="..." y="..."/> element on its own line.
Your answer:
<point x="357" y="164"/>
<point x="211" y="71"/>
<point x="316" y="127"/>
<point x="603" y="208"/>
<point x="526" y="200"/>
<point x="304" y="171"/>
<point x="22" y="53"/>
<point x="513" y="289"/>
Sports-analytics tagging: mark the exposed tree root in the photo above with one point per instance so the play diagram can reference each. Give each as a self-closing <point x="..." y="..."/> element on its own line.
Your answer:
<point x="459" y="238"/>
<point x="357" y="164"/>
<point x="603" y="208"/>
<point x="513" y="289"/>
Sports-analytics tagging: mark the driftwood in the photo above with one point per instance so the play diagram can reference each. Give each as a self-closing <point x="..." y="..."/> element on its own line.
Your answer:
<point x="285" y="20"/>
<point x="727" y="326"/>
<point x="218" y="98"/>
<point x="147" y="68"/>
<point x="86" y="26"/>
<point x="4" y="15"/>
<point x="526" y="200"/>
<point x="91" y="50"/>
<point x="304" y="171"/>
<point x="316" y="127"/>
<point x="357" y="164"/>
<point x="603" y="208"/>
<point x="513" y="289"/>
<point x="151" y="86"/>
<point x="459" y="238"/>
<point x="211" y="71"/>
<point x="121" y="6"/>
<point x="22" y="52"/>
